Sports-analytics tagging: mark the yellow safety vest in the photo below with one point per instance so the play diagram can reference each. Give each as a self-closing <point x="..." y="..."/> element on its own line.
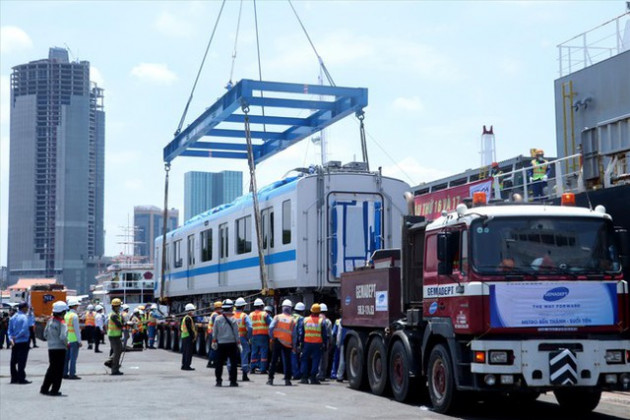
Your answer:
<point x="113" y="330"/>
<point x="184" y="328"/>
<point x="72" y="334"/>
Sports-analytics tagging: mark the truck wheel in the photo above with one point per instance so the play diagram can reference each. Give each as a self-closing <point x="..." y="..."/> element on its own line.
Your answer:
<point x="354" y="363"/>
<point x="578" y="400"/>
<point x="377" y="366"/>
<point x="399" y="366"/>
<point x="441" y="379"/>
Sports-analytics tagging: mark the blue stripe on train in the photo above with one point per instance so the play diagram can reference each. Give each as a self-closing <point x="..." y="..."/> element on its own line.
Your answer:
<point x="276" y="258"/>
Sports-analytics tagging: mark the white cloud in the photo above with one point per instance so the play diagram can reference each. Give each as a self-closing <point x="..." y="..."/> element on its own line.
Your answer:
<point x="171" y="25"/>
<point x="14" y="39"/>
<point x="96" y="76"/>
<point x="154" y="73"/>
<point x="413" y="104"/>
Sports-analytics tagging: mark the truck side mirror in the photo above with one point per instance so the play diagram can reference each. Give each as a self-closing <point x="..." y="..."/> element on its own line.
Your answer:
<point x="622" y="237"/>
<point x="445" y="253"/>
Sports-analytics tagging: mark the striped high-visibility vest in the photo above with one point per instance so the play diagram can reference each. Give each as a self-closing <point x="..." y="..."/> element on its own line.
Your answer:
<point x="539" y="171"/>
<point x="211" y="322"/>
<point x="259" y="322"/>
<point x="313" y="329"/>
<point x="184" y="328"/>
<point x="72" y="334"/>
<point x="90" y="320"/>
<point x="113" y="330"/>
<point x="242" y="327"/>
<point x="283" y="329"/>
<point x="151" y="320"/>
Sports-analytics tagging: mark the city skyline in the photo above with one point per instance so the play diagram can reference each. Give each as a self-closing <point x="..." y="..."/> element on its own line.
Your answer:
<point x="206" y="190"/>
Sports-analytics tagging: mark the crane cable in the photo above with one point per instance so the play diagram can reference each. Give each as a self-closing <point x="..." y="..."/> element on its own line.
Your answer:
<point x="216" y="23"/>
<point x="238" y="27"/>
<point x="319" y="58"/>
<point x="259" y="63"/>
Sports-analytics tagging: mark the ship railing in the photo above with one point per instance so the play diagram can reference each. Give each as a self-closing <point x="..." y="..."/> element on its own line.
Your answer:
<point x="595" y="45"/>
<point x="564" y="176"/>
<point x="128" y="284"/>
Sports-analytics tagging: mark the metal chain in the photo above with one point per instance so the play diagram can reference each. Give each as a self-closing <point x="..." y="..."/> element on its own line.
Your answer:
<point x="361" y="117"/>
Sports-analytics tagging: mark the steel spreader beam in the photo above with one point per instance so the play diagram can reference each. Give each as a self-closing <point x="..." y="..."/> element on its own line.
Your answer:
<point x="267" y="102"/>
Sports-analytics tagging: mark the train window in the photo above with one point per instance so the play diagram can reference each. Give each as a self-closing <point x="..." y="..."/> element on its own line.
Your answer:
<point x="191" y="250"/>
<point x="223" y="241"/>
<point x="206" y="245"/>
<point x="266" y="216"/>
<point x="177" y="253"/>
<point x="244" y="235"/>
<point x="286" y="222"/>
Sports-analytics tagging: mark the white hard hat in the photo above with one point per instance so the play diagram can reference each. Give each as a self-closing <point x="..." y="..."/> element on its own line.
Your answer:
<point x="136" y="310"/>
<point x="323" y="307"/>
<point x="300" y="306"/>
<point x="190" y="307"/>
<point x="73" y="302"/>
<point x="227" y="304"/>
<point x="259" y="302"/>
<point x="98" y="308"/>
<point x="60" y="306"/>
<point x="240" y="302"/>
<point x="90" y="307"/>
<point x="124" y="306"/>
<point x="154" y="306"/>
<point x="288" y="303"/>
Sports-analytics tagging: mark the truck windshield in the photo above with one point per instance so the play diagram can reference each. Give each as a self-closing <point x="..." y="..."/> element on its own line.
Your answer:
<point x="549" y="245"/>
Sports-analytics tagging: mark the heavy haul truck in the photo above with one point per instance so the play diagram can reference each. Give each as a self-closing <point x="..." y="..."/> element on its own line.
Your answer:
<point x="511" y="299"/>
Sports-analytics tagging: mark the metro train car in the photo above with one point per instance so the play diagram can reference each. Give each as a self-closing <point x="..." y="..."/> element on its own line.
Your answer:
<point x="314" y="226"/>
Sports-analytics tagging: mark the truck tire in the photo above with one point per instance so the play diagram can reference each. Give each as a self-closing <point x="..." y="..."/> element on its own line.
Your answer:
<point x="578" y="400"/>
<point x="355" y="363"/>
<point x="377" y="366"/>
<point x="441" y="380"/>
<point x="399" y="367"/>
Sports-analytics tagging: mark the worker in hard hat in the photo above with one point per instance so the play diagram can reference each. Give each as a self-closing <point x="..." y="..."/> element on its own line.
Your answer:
<point x="497" y="180"/>
<point x="217" y="310"/>
<point x="244" y="333"/>
<point x="189" y="336"/>
<point x="152" y="317"/>
<point x="74" y="340"/>
<point x="313" y="338"/>
<point x="260" y="336"/>
<point x="136" y="328"/>
<point x="114" y="334"/>
<point x="99" y="327"/>
<point x="338" y="335"/>
<point x="56" y="335"/>
<point x="284" y="338"/>
<point x="298" y="316"/>
<point x="126" y="322"/>
<point x="19" y="337"/>
<point x="89" y="325"/>
<point x="226" y="342"/>
<point x="324" y="363"/>
<point x="538" y="174"/>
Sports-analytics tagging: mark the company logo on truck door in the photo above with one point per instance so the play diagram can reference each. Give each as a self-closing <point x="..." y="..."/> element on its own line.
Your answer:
<point x="365" y="291"/>
<point x="440" y="291"/>
<point x="556" y="294"/>
<point x="48" y="298"/>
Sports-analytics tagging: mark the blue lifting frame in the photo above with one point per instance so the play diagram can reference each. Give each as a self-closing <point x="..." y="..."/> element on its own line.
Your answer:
<point x="266" y="105"/>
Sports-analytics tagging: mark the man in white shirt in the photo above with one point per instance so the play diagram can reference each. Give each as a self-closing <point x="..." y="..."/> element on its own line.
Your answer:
<point x="99" y="327"/>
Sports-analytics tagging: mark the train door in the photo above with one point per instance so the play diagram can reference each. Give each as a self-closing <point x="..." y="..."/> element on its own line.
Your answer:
<point x="224" y="253"/>
<point x="355" y="230"/>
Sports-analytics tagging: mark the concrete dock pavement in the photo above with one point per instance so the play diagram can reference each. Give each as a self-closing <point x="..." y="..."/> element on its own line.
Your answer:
<point x="153" y="386"/>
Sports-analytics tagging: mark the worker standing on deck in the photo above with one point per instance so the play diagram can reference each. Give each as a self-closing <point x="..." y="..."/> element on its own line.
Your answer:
<point x="125" y="322"/>
<point x="136" y="328"/>
<point x="226" y="342"/>
<point x="244" y="333"/>
<point x="89" y="325"/>
<point x="74" y="340"/>
<point x="282" y="332"/>
<point x="212" y="353"/>
<point x="260" y="340"/>
<point x="325" y="359"/>
<point x="313" y="338"/>
<point x="339" y="335"/>
<point x="114" y="334"/>
<point x="189" y="336"/>
<point x="152" y="316"/>
<point x="298" y="316"/>
<point x="19" y="336"/>
<point x="538" y="174"/>
<point x="99" y="328"/>
<point x="56" y="335"/>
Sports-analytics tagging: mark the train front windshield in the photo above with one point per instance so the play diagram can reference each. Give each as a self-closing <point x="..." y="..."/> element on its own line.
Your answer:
<point x="545" y="245"/>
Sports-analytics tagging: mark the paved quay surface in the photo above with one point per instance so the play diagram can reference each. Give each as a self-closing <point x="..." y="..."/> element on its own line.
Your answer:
<point x="154" y="387"/>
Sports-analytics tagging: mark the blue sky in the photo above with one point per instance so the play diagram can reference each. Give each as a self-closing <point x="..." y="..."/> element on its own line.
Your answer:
<point x="436" y="73"/>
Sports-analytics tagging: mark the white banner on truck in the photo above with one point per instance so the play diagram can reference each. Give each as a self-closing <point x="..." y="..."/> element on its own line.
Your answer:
<point x="566" y="304"/>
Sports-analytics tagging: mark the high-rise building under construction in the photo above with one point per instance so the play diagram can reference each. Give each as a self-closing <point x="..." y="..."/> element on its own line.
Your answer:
<point x="57" y="170"/>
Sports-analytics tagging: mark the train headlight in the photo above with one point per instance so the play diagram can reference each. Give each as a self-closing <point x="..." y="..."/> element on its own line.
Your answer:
<point x="614" y="357"/>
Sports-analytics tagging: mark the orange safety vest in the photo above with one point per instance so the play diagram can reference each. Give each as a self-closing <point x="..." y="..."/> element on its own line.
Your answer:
<point x="151" y="321"/>
<point x="283" y="329"/>
<point x="313" y="330"/>
<point x="90" y="321"/>
<point x="211" y="322"/>
<point x="259" y="322"/>
<point x="242" y="327"/>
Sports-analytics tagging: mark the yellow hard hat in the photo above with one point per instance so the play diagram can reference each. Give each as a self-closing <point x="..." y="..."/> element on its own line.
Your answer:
<point x="218" y="304"/>
<point x="116" y="302"/>
<point x="316" y="308"/>
<point x="141" y="307"/>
